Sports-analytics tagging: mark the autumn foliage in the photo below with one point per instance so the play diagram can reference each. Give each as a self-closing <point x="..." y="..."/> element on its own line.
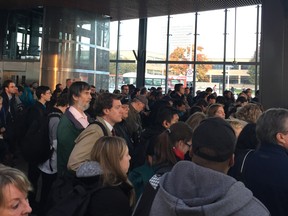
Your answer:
<point x="185" y="54"/>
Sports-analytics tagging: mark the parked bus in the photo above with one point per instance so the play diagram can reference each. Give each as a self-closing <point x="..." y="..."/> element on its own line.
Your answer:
<point x="155" y="80"/>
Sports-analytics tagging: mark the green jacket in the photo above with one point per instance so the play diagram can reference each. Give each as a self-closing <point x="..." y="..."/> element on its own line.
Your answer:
<point x="68" y="130"/>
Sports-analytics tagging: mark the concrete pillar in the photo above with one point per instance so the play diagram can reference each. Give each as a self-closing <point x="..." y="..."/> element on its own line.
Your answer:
<point x="274" y="55"/>
<point x="70" y="47"/>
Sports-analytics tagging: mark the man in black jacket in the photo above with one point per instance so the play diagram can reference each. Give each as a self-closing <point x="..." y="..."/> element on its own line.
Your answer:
<point x="36" y="121"/>
<point x="10" y="109"/>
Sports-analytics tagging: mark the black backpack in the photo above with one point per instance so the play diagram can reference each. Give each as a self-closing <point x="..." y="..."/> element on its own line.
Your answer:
<point x="75" y="203"/>
<point x="35" y="144"/>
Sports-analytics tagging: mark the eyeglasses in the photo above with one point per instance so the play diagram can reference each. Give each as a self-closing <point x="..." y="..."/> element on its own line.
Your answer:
<point x="188" y="144"/>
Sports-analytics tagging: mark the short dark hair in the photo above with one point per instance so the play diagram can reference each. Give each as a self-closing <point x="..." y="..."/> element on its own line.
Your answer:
<point x="211" y="96"/>
<point x="57" y="87"/>
<point x="165" y="113"/>
<point x="122" y="87"/>
<point x="6" y="83"/>
<point x="241" y="99"/>
<point x="62" y="100"/>
<point x="105" y="101"/>
<point x="209" y="89"/>
<point x="178" y="103"/>
<point x="41" y="90"/>
<point x="75" y="90"/>
<point x="177" y="87"/>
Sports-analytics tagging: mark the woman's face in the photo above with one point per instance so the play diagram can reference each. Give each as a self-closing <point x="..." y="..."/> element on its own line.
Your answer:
<point x="15" y="202"/>
<point x="125" y="162"/>
<point x="220" y="112"/>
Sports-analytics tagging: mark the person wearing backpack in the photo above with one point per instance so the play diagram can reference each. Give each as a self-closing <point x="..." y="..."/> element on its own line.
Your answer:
<point x="109" y="112"/>
<point x="72" y="123"/>
<point x="101" y="187"/>
<point x="35" y="145"/>
<point x="49" y="167"/>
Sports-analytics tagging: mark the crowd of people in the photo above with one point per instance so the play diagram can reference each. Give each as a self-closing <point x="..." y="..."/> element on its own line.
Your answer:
<point x="141" y="152"/>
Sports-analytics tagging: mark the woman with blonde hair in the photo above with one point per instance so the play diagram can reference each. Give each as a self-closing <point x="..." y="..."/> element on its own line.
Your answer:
<point x="249" y="113"/>
<point x="108" y="169"/>
<point x="14" y="187"/>
<point x="216" y="110"/>
<point x="195" y="119"/>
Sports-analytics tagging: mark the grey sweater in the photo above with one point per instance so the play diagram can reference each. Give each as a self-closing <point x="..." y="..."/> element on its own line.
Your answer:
<point x="193" y="190"/>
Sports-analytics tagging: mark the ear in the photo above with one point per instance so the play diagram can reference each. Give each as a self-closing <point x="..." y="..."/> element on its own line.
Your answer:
<point x="232" y="160"/>
<point x="166" y="124"/>
<point x="106" y="111"/>
<point x="280" y="138"/>
<point x="75" y="98"/>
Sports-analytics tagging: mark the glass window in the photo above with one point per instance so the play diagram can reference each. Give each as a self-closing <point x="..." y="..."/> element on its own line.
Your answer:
<point x="182" y="33"/>
<point x="113" y="40"/>
<point x="210" y="35"/>
<point x="128" y="40"/>
<point x="157" y="38"/>
<point x="242" y="46"/>
<point x="177" y="74"/>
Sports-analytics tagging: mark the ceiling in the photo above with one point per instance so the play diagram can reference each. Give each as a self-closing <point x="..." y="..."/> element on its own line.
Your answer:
<point x="129" y="9"/>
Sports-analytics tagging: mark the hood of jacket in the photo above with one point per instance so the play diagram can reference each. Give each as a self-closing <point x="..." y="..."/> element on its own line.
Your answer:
<point x="193" y="190"/>
<point x="89" y="169"/>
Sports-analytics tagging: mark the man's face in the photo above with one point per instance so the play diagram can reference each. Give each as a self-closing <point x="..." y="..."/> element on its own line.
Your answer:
<point x="125" y="90"/>
<point x="69" y="83"/>
<point x="174" y="120"/>
<point x="83" y="100"/>
<point x="114" y="114"/>
<point x="187" y="91"/>
<point x="212" y="101"/>
<point x="140" y="106"/>
<point x="93" y="90"/>
<point x="125" y="111"/>
<point x="182" y="90"/>
<point x="47" y="96"/>
<point x="249" y="93"/>
<point x="11" y="89"/>
<point x="182" y="108"/>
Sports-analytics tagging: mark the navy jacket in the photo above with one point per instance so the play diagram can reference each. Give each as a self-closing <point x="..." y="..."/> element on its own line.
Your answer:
<point x="266" y="175"/>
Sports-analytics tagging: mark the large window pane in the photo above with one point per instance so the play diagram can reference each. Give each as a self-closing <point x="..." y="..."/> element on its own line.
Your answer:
<point x="242" y="47"/>
<point x="157" y="38"/>
<point x="210" y="35"/>
<point x="128" y="39"/>
<point x="113" y="40"/>
<point x="181" y="44"/>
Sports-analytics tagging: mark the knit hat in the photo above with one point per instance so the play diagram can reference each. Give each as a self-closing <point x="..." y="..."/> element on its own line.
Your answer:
<point x="214" y="140"/>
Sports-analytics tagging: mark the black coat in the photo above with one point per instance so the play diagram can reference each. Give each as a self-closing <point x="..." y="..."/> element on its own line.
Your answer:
<point x="266" y="175"/>
<point x="109" y="201"/>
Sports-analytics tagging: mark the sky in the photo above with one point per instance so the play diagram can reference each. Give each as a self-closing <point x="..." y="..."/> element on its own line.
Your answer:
<point x="210" y="33"/>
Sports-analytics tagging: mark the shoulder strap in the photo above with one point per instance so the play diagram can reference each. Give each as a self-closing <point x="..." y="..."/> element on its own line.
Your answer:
<point x="54" y="114"/>
<point x="101" y="126"/>
<point x="144" y="203"/>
